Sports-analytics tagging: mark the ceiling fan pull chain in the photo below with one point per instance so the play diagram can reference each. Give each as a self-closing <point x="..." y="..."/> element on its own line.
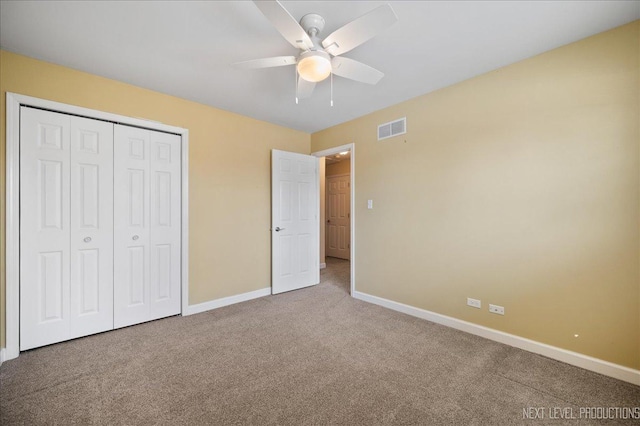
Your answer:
<point x="331" y="89"/>
<point x="295" y="79"/>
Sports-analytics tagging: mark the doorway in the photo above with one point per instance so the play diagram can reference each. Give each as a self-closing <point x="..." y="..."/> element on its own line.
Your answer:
<point x="337" y="224"/>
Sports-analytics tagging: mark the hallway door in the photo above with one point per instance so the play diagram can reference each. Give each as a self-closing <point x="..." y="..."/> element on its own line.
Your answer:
<point x="338" y="216"/>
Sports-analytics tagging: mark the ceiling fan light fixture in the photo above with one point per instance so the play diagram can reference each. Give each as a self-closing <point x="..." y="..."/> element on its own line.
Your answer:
<point x="314" y="66"/>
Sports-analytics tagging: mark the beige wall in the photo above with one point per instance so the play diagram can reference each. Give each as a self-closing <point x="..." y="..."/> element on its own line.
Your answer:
<point x="229" y="171"/>
<point x="520" y="188"/>
<point x="340" y="168"/>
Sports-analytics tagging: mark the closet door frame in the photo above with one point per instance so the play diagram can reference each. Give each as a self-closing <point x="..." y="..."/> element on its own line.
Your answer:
<point x="12" y="208"/>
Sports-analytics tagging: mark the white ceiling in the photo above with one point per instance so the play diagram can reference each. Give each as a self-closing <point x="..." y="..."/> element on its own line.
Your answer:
<point x="185" y="48"/>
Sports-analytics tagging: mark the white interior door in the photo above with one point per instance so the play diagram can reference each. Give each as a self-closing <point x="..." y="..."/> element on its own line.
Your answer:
<point x="338" y="217"/>
<point x="165" y="220"/>
<point x="44" y="227"/>
<point x="91" y="226"/>
<point x="92" y="258"/>
<point x="131" y="225"/>
<point x="65" y="227"/>
<point x="295" y="225"/>
<point x="147" y="225"/>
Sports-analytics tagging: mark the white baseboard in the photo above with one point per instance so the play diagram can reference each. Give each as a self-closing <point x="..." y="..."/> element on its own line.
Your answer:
<point x="323" y="265"/>
<point x="606" y="368"/>
<point x="226" y="301"/>
<point x="6" y="354"/>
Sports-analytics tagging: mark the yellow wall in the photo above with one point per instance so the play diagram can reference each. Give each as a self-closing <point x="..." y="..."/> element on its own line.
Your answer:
<point x="229" y="171"/>
<point x="520" y="188"/>
<point x="340" y="168"/>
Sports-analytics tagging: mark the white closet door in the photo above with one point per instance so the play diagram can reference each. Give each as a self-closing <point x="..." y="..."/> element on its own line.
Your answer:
<point x="66" y="227"/>
<point x="100" y="226"/>
<point x="131" y="222"/>
<point x="165" y="224"/>
<point x="147" y="225"/>
<point x="44" y="227"/>
<point x="91" y="226"/>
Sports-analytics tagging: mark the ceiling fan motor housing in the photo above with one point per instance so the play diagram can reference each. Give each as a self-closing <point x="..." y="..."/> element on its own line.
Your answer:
<point x="312" y="23"/>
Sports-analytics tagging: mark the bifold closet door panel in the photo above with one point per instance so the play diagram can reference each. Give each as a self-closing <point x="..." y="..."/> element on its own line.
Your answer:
<point x="91" y="226"/>
<point x="165" y="217"/>
<point x="147" y="225"/>
<point x="131" y="226"/>
<point x="44" y="227"/>
<point x="66" y="191"/>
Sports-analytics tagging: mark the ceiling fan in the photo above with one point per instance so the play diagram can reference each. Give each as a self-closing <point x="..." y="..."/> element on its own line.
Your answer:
<point x="318" y="59"/>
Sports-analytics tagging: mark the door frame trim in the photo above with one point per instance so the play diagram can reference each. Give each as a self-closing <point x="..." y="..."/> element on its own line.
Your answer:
<point x="352" y="172"/>
<point x="12" y="208"/>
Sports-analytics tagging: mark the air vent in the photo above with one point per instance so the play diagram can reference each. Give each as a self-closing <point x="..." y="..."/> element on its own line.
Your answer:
<point x="392" y="128"/>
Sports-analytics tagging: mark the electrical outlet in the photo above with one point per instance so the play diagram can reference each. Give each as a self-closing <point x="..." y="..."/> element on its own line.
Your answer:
<point x="495" y="309"/>
<point x="474" y="303"/>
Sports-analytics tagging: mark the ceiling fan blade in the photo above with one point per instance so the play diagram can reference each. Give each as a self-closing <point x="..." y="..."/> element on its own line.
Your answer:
<point x="305" y="88"/>
<point x="276" y="61"/>
<point x="285" y="23"/>
<point x="354" y="70"/>
<point x="359" y="30"/>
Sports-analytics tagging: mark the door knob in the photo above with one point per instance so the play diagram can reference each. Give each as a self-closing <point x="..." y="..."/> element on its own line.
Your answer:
<point x="135" y="237"/>
<point x="87" y="240"/>
<point x="278" y="229"/>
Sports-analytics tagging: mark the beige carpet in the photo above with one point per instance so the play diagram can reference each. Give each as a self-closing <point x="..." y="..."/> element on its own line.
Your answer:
<point x="313" y="356"/>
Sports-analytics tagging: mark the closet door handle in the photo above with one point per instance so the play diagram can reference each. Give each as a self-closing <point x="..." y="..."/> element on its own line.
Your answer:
<point x="87" y="240"/>
<point x="135" y="237"/>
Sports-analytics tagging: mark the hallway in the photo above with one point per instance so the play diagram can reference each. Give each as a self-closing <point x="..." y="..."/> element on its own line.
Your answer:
<point x="337" y="273"/>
